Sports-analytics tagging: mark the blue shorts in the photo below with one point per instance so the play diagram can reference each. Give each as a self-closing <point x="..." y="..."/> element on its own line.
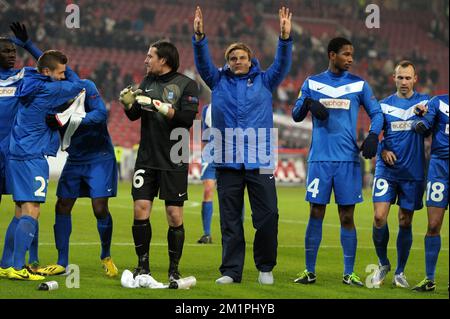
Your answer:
<point x="343" y="177"/>
<point x="94" y="180"/>
<point x="208" y="171"/>
<point x="30" y="179"/>
<point x="409" y="194"/>
<point x="437" y="183"/>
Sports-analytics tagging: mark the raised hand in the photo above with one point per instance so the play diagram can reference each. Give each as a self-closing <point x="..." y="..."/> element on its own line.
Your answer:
<point x="20" y="33"/>
<point x="198" y="24"/>
<point x="285" y="22"/>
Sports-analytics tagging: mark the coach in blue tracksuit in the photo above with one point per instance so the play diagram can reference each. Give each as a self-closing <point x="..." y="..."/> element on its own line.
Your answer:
<point x="242" y="99"/>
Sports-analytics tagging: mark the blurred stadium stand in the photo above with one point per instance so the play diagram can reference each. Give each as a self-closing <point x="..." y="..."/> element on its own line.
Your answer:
<point x="111" y="45"/>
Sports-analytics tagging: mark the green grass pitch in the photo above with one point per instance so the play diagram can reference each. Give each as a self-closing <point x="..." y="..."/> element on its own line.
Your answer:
<point x="202" y="261"/>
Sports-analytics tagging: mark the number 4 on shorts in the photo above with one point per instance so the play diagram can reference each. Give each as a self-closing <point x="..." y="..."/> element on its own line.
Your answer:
<point x="313" y="187"/>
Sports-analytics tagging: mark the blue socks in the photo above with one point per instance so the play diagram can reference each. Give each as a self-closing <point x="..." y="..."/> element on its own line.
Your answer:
<point x="349" y="243"/>
<point x="313" y="238"/>
<point x="8" y="249"/>
<point x="25" y="231"/>
<point x="207" y="211"/>
<point x="33" y="257"/>
<point x="404" y="243"/>
<point x="432" y="248"/>
<point x="62" y="230"/>
<point x="105" y="227"/>
<point x="380" y="238"/>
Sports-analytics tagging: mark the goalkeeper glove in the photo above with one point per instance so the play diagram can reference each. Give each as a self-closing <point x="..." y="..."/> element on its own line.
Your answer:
<point x="369" y="146"/>
<point x="162" y="107"/>
<point x="52" y="121"/>
<point x="127" y="97"/>
<point x="318" y="110"/>
<point x="144" y="100"/>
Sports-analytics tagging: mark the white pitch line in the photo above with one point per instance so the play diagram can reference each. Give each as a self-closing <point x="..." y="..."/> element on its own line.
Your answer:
<point x="193" y="204"/>
<point x="216" y="245"/>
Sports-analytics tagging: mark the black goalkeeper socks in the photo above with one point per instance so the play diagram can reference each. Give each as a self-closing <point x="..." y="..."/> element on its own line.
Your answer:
<point x="142" y="235"/>
<point x="175" y="241"/>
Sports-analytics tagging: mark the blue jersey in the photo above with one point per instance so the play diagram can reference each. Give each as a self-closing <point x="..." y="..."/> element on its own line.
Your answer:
<point x="206" y="121"/>
<point x="437" y="119"/>
<point x="401" y="139"/>
<point x="334" y="140"/>
<point x="38" y="94"/>
<point x="91" y="141"/>
<point x="10" y="79"/>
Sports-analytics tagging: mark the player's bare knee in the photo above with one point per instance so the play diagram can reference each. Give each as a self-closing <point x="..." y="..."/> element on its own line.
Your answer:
<point x="142" y="209"/>
<point x="434" y="228"/>
<point x="100" y="207"/>
<point x="174" y="215"/>
<point x="64" y="206"/>
<point x="405" y="219"/>
<point x="317" y="211"/>
<point x="379" y="220"/>
<point x="208" y="194"/>
<point x="347" y="221"/>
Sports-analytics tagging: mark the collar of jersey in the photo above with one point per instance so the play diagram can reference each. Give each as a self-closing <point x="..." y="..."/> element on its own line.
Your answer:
<point x="164" y="78"/>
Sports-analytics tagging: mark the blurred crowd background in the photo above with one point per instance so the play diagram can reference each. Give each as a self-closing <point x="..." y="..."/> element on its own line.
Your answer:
<point x="114" y="35"/>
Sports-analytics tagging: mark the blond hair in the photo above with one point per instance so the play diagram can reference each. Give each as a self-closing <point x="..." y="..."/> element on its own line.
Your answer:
<point x="238" y="46"/>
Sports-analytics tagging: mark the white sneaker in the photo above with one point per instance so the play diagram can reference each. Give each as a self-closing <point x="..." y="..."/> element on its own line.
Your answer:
<point x="380" y="275"/>
<point x="224" y="280"/>
<point x="265" y="278"/>
<point x="400" y="281"/>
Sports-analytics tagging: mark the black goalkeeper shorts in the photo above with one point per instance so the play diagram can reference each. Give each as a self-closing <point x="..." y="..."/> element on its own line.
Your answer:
<point x="171" y="185"/>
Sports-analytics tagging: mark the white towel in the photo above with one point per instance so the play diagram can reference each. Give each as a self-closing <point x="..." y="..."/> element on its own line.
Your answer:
<point x="141" y="281"/>
<point x="74" y="114"/>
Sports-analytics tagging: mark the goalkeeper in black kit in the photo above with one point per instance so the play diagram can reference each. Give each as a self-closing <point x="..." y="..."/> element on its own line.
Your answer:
<point x="166" y="100"/>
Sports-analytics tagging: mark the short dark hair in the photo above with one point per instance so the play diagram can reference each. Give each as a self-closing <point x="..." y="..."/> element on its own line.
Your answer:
<point x="336" y="44"/>
<point x="49" y="59"/>
<point x="405" y="64"/>
<point x="5" y="40"/>
<point x="168" y="51"/>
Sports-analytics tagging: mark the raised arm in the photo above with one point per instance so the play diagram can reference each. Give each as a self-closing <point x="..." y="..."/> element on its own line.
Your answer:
<point x="285" y="23"/>
<point x="202" y="57"/>
<point x="283" y="59"/>
<point x="22" y="39"/>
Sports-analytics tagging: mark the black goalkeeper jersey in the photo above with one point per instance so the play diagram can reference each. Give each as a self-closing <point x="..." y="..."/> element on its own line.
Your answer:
<point x="155" y="145"/>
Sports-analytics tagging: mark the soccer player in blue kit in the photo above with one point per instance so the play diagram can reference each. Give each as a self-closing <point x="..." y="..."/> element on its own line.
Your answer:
<point x="31" y="141"/>
<point x="10" y="79"/>
<point x="90" y="171"/>
<point x="399" y="172"/>
<point x="208" y="177"/>
<point x="436" y="119"/>
<point x="334" y="98"/>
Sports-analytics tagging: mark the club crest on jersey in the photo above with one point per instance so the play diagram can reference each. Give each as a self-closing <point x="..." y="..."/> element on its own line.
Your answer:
<point x="7" y="91"/>
<point x="401" y="126"/>
<point x="171" y="94"/>
<point x="342" y="104"/>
